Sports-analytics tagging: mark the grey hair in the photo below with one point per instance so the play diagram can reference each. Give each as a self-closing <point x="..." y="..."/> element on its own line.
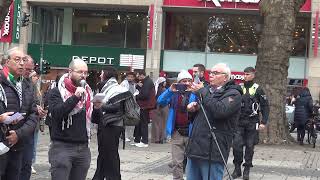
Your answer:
<point x="226" y="68"/>
<point x="75" y="61"/>
<point x="10" y="52"/>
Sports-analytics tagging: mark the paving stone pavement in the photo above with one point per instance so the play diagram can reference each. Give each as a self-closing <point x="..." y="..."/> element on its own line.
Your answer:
<point x="290" y="162"/>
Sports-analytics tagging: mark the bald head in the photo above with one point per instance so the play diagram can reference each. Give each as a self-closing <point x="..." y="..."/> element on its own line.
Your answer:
<point x="78" y="70"/>
<point x="76" y="63"/>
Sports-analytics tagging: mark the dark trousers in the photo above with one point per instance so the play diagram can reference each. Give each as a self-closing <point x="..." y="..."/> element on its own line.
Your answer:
<point x="11" y="162"/>
<point x="246" y="136"/>
<point x="141" y="130"/>
<point x="108" y="162"/>
<point x="27" y="159"/>
<point x="69" y="161"/>
<point x="301" y="130"/>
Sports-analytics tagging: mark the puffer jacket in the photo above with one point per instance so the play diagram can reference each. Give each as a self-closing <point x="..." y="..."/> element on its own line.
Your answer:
<point x="303" y="107"/>
<point x="9" y="102"/>
<point x="222" y="107"/>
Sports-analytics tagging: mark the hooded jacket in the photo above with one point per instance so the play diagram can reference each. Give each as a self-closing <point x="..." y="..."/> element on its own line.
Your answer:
<point x="222" y="107"/>
<point x="303" y="107"/>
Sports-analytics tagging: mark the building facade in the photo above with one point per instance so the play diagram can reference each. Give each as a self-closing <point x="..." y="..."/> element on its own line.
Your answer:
<point x="163" y="35"/>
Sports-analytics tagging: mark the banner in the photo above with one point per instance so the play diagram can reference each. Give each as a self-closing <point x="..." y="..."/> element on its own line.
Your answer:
<point x="10" y="30"/>
<point x="6" y="29"/>
<point x="150" y="24"/>
<point x="316" y="35"/>
<point x="16" y="21"/>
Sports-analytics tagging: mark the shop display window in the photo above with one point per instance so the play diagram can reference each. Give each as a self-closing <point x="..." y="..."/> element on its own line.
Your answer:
<point x="110" y="28"/>
<point x="225" y="33"/>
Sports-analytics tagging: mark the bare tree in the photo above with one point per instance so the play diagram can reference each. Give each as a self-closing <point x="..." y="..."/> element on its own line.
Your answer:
<point x="272" y="65"/>
<point x="4" y="7"/>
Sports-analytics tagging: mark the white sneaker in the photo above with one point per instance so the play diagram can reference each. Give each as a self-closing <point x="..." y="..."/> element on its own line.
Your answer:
<point x="128" y="140"/>
<point x="33" y="171"/>
<point x="133" y="144"/>
<point x="142" y="145"/>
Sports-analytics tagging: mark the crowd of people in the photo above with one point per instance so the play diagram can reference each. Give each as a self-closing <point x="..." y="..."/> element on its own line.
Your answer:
<point x="201" y="119"/>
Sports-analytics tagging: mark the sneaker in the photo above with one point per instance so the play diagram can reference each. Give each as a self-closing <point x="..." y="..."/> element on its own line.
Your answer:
<point x="142" y="145"/>
<point x="128" y="140"/>
<point x="133" y="144"/>
<point x="33" y="171"/>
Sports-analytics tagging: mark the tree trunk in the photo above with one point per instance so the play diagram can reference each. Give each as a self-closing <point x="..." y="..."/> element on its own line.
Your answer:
<point x="4" y="7"/>
<point x="272" y="65"/>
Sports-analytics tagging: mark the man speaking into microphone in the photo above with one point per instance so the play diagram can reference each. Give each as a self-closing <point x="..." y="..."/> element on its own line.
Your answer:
<point x="71" y="108"/>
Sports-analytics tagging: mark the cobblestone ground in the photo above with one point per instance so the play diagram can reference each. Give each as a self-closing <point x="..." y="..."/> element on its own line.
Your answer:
<point x="292" y="162"/>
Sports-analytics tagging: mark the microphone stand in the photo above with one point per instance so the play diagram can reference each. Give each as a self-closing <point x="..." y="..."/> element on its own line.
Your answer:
<point x="212" y="137"/>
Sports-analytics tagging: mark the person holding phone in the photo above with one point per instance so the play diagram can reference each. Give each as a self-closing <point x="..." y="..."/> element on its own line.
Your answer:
<point x="198" y="71"/>
<point x="178" y="121"/>
<point x="16" y="95"/>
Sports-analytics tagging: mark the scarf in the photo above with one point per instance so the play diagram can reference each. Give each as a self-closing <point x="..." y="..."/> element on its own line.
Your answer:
<point x="67" y="89"/>
<point x="111" y="89"/>
<point x="17" y="84"/>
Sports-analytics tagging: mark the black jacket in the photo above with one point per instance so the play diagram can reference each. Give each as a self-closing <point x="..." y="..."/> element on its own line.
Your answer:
<point x="246" y="107"/>
<point x="303" y="107"/>
<point x="223" y="110"/>
<point x="77" y="132"/>
<point x="25" y="128"/>
<point x="111" y="113"/>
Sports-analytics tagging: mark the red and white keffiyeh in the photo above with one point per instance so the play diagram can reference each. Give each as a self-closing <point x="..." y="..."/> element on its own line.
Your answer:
<point x="67" y="89"/>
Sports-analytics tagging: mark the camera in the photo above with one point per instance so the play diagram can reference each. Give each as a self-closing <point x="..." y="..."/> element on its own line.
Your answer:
<point x="181" y="87"/>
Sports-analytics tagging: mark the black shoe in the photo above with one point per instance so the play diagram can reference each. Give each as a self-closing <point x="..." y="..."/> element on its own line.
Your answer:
<point x="246" y="172"/>
<point x="301" y="143"/>
<point x="236" y="172"/>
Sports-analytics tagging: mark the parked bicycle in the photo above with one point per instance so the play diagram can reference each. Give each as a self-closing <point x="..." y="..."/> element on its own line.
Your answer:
<point x="313" y="126"/>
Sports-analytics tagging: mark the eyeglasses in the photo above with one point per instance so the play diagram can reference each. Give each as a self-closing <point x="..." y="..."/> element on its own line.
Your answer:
<point x="215" y="73"/>
<point x="19" y="59"/>
<point x="83" y="73"/>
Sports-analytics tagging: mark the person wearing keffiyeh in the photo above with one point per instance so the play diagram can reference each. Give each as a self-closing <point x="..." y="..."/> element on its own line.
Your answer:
<point x="71" y="108"/>
<point x="16" y="95"/>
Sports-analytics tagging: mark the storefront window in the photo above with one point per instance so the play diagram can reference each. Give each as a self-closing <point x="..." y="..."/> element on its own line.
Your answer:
<point x="224" y="33"/>
<point x="187" y="32"/>
<point x="50" y="25"/>
<point x="107" y="28"/>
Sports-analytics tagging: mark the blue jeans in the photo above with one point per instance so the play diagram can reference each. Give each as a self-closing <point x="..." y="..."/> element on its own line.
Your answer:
<point x="197" y="169"/>
<point x="35" y="142"/>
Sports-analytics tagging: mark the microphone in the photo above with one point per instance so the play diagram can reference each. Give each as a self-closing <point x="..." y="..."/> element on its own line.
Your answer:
<point x="83" y="84"/>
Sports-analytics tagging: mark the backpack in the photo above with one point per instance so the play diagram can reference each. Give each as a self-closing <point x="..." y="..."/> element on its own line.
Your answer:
<point x="131" y="115"/>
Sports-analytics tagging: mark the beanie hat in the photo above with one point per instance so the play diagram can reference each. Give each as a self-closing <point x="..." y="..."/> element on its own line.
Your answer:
<point x="249" y="70"/>
<point x="183" y="75"/>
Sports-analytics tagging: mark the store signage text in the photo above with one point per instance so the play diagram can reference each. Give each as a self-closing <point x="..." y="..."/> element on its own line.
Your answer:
<point x="6" y="29"/>
<point x="95" y="60"/>
<point x="218" y="4"/>
<point x="18" y="17"/>
<point x="237" y="76"/>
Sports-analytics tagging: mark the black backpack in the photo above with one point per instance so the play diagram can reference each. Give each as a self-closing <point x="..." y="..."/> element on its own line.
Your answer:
<point x="131" y="115"/>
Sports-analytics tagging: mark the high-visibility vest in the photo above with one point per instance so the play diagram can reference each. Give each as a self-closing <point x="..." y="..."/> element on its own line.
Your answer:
<point x="252" y="89"/>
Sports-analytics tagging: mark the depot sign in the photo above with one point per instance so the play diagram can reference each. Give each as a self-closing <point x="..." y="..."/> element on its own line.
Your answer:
<point x="95" y="60"/>
<point x="218" y="4"/>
